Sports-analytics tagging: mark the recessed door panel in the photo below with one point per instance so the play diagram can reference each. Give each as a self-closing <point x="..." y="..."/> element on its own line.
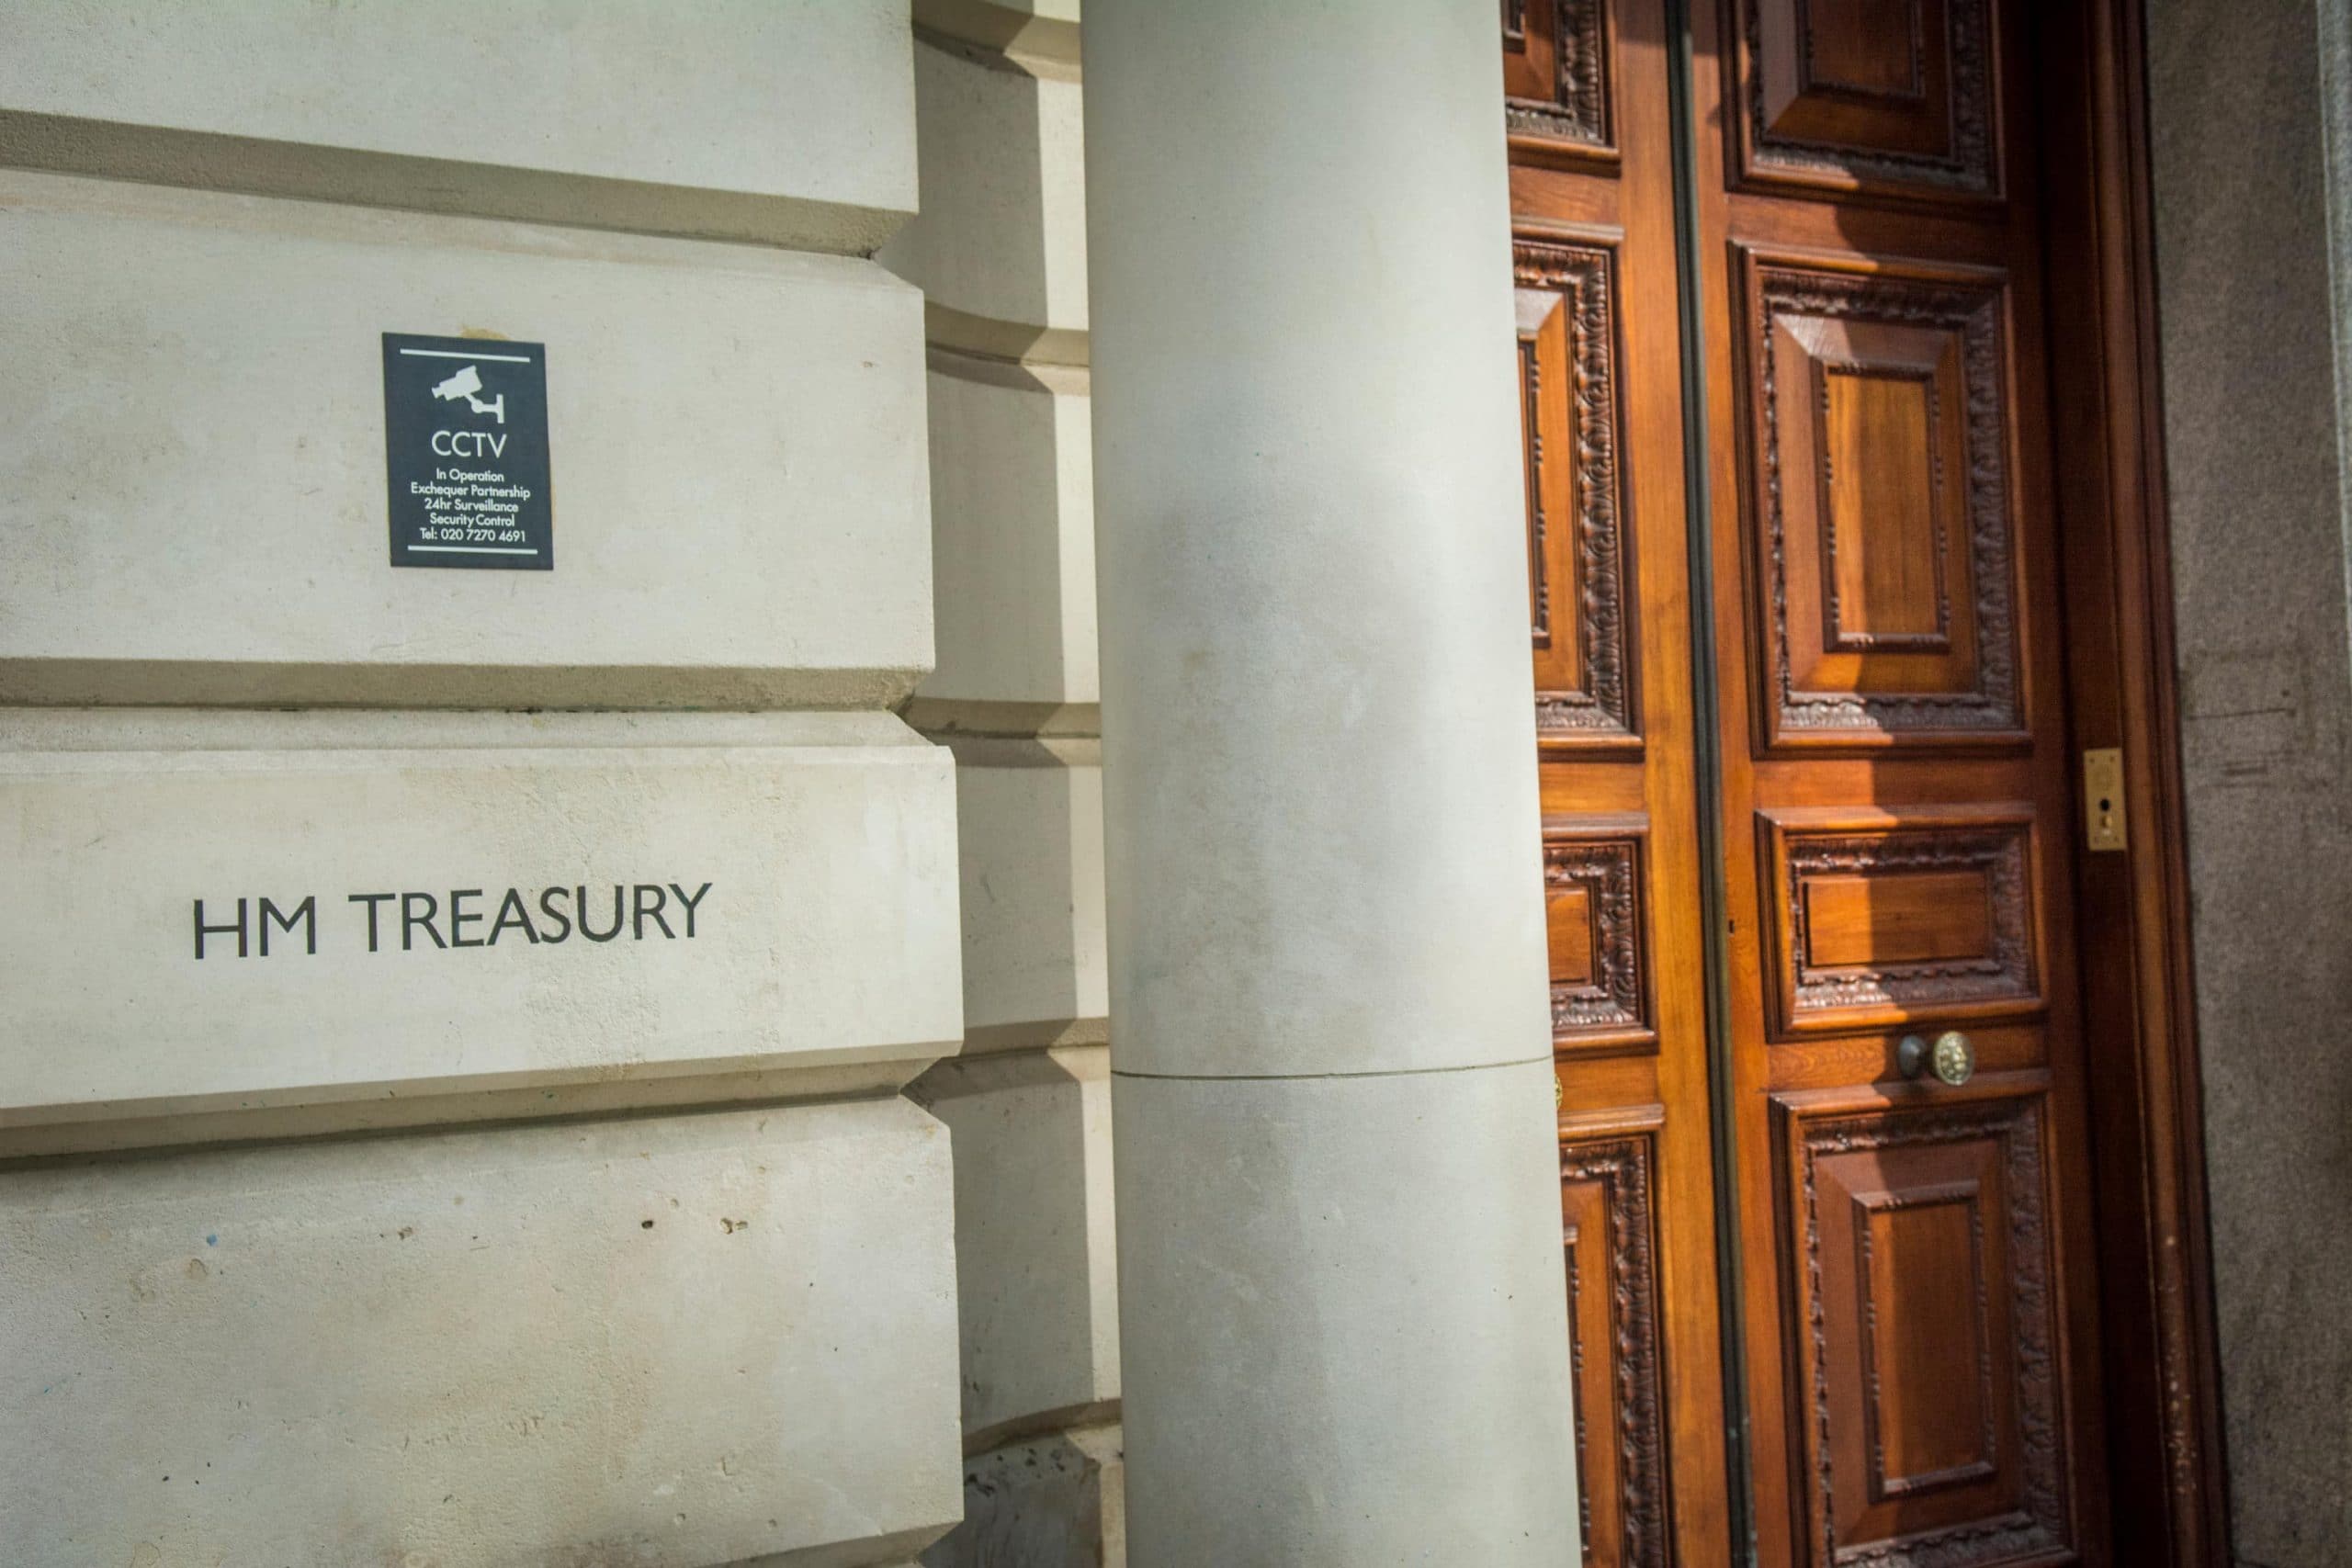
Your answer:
<point x="1556" y="74"/>
<point x="1906" y="917"/>
<point x="1606" y="1188"/>
<point x="1579" y="566"/>
<point x="1595" y="913"/>
<point x="1874" y="96"/>
<point x="1917" y="1244"/>
<point x="1882" y="504"/>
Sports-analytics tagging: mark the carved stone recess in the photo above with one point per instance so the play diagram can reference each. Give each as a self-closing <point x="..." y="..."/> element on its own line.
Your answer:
<point x="1991" y="708"/>
<point x="2038" y="1527"/>
<point x="1596" y="708"/>
<point x="1998" y="849"/>
<point x="1574" y="109"/>
<point x="1620" y="1167"/>
<point x="1610" y="1009"/>
<point x="1970" y="165"/>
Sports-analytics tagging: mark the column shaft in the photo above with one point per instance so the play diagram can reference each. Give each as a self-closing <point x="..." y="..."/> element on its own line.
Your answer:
<point x="1344" y="1332"/>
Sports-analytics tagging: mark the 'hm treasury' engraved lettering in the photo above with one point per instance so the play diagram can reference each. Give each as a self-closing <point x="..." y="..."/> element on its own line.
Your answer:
<point x="444" y="919"/>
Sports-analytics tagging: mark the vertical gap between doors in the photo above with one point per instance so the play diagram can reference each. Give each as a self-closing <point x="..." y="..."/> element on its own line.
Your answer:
<point x="1706" y="745"/>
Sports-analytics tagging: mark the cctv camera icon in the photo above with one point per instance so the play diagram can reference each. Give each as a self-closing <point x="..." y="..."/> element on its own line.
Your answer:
<point x="465" y="384"/>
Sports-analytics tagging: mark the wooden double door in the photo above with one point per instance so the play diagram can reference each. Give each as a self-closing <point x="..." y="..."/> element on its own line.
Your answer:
<point x="1806" y="780"/>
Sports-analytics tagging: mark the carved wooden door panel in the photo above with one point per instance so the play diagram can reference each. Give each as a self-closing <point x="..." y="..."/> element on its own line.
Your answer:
<point x="1909" y="1258"/>
<point x="1919" y="1328"/>
<point x="1592" y="187"/>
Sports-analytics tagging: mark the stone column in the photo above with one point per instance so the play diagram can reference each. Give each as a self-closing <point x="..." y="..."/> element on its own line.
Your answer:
<point x="1344" y="1332"/>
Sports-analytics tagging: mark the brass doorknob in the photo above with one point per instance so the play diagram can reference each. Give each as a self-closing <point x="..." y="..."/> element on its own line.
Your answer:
<point x="1951" y="1058"/>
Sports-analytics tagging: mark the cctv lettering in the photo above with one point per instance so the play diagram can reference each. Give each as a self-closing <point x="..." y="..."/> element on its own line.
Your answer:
<point x="468" y="444"/>
<point x="463" y="917"/>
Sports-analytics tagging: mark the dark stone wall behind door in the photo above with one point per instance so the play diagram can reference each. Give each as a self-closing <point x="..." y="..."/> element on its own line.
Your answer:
<point x="2252" y="421"/>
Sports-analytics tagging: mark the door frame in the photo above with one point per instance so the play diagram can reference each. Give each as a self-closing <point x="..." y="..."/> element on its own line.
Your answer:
<point x="2139" y="1013"/>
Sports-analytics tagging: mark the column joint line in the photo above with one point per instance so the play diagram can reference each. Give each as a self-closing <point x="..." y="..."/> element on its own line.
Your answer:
<point x="1545" y="1059"/>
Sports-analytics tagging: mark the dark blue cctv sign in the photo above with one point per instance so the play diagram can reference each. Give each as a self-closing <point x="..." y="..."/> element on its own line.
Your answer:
<point x="466" y="452"/>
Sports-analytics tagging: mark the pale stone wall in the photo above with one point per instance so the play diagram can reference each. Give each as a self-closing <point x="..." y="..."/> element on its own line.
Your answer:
<point x="709" y="405"/>
<point x="2245" y="215"/>
<point x="641" y="1257"/>
<point x="999" y="249"/>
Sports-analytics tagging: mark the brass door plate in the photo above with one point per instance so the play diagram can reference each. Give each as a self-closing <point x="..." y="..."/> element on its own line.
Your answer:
<point x="2103" y="798"/>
